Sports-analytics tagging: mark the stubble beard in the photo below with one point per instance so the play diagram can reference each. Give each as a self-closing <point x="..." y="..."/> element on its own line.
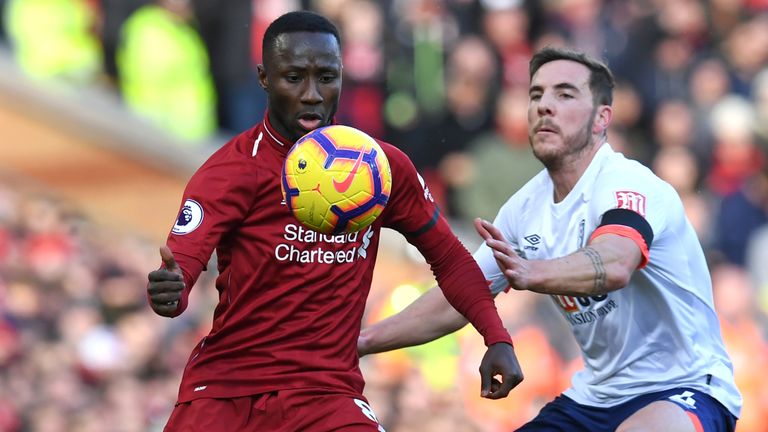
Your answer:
<point x="573" y="147"/>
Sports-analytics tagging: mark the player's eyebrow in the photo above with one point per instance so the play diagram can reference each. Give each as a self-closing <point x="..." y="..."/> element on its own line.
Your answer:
<point x="559" y="86"/>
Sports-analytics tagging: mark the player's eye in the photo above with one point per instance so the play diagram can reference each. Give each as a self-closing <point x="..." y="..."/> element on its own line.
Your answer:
<point x="329" y="78"/>
<point x="292" y="78"/>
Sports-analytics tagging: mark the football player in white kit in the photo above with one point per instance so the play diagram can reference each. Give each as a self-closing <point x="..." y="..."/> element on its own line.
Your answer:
<point x="610" y="243"/>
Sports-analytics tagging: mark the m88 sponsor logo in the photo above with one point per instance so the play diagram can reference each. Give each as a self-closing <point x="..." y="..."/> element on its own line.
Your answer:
<point x="584" y="309"/>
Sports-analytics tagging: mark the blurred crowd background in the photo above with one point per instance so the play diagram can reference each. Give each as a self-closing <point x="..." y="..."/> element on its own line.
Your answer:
<point x="446" y="81"/>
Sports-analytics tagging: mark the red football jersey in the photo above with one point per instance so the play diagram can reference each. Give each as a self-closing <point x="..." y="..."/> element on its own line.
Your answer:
<point x="291" y="300"/>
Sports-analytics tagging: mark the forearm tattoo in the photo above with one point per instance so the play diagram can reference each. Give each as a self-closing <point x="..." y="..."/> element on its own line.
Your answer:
<point x="597" y="264"/>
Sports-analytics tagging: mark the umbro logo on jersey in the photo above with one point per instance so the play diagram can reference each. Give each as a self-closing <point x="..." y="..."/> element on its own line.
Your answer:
<point x="533" y="240"/>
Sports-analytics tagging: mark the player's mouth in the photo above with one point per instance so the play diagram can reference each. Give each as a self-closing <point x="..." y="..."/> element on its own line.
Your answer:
<point x="548" y="129"/>
<point x="310" y="121"/>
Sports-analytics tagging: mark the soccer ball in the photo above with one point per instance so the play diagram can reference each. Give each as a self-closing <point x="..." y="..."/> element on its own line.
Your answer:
<point x="336" y="179"/>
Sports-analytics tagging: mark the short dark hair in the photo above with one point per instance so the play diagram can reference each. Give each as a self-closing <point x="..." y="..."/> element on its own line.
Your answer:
<point x="297" y="21"/>
<point x="601" y="80"/>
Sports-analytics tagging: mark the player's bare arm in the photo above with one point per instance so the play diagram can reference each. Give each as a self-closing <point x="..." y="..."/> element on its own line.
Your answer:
<point x="597" y="264"/>
<point x="428" y="318"/>
<point x="605" y="265"/>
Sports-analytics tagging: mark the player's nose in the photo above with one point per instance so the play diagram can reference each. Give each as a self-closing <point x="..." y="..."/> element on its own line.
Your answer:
<point x="310" y="93"/>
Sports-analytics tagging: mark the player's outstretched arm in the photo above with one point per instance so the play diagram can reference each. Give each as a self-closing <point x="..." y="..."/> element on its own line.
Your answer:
<point x="166" y="285"/>
<point x="428" y="318"/>
<point x="605" y="265"/>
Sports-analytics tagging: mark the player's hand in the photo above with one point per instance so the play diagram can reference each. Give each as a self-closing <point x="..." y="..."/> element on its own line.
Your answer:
<point x="165" y="285"/>
<point x="516" y="269"/>
<point x="499" y="360"/>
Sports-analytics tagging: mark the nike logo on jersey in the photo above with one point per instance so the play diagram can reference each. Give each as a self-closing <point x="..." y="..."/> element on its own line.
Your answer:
<point x="343" y="185"/>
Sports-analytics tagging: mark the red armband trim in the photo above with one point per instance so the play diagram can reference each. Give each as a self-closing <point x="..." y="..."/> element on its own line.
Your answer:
<point x="627" y="232"/>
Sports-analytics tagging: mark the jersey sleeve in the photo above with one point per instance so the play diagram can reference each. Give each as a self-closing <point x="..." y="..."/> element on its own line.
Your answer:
<point x="215" y="201"/>
<point x="505" y="222"/>
<point x="618" y="200"/>
<point x="413" y="213"/>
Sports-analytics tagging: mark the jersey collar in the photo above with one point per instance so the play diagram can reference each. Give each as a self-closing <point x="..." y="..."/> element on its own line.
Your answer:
<point x="274" y="138"/>
<point x="582" y="187"/>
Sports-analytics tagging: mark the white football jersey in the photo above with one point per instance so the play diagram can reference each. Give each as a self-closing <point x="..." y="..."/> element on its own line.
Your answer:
<point x="658" y="332"/>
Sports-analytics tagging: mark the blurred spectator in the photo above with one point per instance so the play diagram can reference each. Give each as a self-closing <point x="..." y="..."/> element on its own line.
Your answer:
<point x="746" y="49"/>
<point x="164" y="70"/>
<point x="3" y="35"/>
<point x="113" y="16"/>
<point x="263" y="12"/>
<point x="78" y="348"/>
<point x="724" y="16"/>
<point x="740" y="214"/>
<point x="225" y="28"/>
<point x="760" y="98"/>
<point x="744" y="332"/>
<point x="678" y="167"/>
<point x="590" y="26"/>
<point x="627" y="123"/>
<point x="674" y="127"/>
<point x="757" y="263"/>
<point x="361" y="23"/>
<point x="417" y="32"/>
<point x="501" y="160"/>
<point x="662" y="46"/>
<point x="735" y="154"/>
<point x="506" y="25"/>
<point x="54" y="39"/>
<point x="709" y="84"/>
<point x="471" y="88"/>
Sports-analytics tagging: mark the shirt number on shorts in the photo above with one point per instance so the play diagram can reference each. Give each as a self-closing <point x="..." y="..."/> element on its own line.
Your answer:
<point x="685" y="398"/>
<point x="368" y="412"/>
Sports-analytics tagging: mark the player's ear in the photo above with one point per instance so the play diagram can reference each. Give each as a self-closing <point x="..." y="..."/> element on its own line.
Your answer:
<point x="263" y="82"/>
<point x="603" y="118"/>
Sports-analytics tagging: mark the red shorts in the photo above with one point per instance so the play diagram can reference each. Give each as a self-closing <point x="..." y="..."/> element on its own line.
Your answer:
<point x="281" y="411"/>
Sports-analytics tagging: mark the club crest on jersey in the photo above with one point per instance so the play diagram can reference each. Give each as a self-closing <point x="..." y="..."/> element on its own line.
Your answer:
<point x="630" y="200"/>
<point x="190" y="217"/>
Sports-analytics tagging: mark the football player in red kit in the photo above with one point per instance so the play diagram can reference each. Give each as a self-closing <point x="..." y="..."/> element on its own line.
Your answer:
<point x="282" y="352"/>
